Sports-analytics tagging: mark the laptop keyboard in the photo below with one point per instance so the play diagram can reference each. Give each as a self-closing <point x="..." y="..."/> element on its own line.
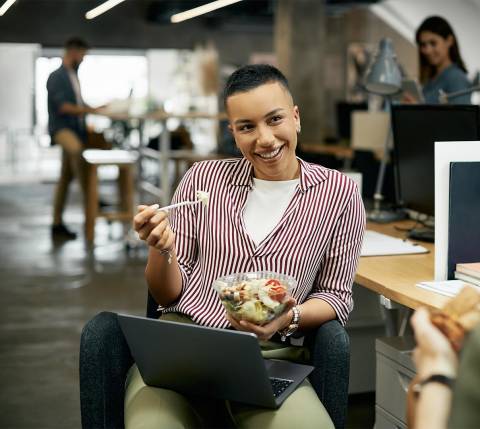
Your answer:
<point x="279" y="385"/>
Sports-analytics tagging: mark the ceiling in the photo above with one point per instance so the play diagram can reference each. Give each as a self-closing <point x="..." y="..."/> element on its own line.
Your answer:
<point x="160" y="11"/>
<point x="142" y="24"/>
<point x="246" y="11"/>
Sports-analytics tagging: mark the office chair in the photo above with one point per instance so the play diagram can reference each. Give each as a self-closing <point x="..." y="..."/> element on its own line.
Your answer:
<point x="105" y="360"/>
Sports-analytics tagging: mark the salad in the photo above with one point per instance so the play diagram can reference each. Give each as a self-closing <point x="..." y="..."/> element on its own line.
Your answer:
<point x="256" y="297"/>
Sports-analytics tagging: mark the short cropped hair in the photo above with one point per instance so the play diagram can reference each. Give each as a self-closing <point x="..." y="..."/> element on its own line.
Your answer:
<point x="76" y="43"/>
<point x="252" y="76"/>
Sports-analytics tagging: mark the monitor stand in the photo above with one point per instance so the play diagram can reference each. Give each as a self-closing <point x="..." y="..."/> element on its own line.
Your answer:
<point x="422" y="234"/>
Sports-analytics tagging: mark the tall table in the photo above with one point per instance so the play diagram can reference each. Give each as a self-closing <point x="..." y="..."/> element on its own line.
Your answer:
<point x="125" y="161"/>
<point x="165" y="155"/>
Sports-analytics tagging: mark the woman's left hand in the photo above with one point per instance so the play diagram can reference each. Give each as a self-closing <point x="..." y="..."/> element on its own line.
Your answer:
<point x="265" y="332"/>
<point x="433" y="354"/>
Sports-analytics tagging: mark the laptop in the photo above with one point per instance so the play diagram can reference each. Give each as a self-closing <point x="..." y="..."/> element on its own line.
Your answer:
<point x="202" y="361"/>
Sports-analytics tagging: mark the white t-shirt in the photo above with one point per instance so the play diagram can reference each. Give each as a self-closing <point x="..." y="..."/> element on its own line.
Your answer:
<point x="265" y="206"/>
<point x="76" y="86"/>
<point x="76" y="89"/>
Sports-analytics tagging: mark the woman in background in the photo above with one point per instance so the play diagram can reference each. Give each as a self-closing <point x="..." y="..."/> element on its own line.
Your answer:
<point x="441" y="65"/>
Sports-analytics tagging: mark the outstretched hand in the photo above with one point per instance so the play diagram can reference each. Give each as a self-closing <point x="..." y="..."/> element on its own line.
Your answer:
<point x="433" y="354"/>
<point x="265" y="332"/>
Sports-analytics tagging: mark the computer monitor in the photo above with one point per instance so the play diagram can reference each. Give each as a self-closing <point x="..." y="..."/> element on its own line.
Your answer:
<point x="416" y="128"/>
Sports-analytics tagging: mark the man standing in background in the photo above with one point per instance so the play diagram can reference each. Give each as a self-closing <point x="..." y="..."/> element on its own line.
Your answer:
<point x="67" y="128"/>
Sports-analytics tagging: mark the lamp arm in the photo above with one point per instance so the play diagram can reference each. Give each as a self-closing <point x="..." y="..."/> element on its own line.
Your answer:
<point x="445" y="97"/>
<point x="378" y="196"/>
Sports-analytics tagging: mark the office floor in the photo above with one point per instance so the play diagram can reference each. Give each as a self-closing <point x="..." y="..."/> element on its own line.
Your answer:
<point x="48" y="293"/>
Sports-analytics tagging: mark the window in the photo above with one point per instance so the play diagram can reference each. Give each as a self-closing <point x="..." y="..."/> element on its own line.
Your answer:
<point x="104" y="78"/>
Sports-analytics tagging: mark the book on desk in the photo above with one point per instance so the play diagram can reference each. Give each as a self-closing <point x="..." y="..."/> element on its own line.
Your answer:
<point x="472" y="269"/>
<point x="469" y="273"/>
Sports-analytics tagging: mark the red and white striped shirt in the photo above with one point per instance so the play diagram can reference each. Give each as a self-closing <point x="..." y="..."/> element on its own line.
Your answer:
<point x="317" y="240"/>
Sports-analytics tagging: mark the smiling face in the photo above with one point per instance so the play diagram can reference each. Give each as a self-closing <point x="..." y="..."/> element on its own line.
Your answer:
<point x="435" y="48"/>
<point x="264" y="123"/>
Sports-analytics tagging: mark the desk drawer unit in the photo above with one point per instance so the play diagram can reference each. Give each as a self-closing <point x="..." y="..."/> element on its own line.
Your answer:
<point x="384" y="420"/>
<point x="394" y="372"/>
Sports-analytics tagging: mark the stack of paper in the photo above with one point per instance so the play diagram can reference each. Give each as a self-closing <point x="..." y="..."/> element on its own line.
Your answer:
<point x="446" y="287"/>
<point x="377" y="244"/>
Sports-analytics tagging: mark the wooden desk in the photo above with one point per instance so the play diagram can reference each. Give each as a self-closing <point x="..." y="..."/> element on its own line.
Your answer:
<point x="336" y="150"/>
<point x="160" y="115"/>
<point x="395" y="277"/>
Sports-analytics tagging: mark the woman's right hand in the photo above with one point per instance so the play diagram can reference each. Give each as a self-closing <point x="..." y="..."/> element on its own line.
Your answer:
<point x="408" y="98"/>
<point x="153" y="227"/>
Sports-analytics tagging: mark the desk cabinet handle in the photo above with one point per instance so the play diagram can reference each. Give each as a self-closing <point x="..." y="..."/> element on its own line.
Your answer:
<point x="404" y="381"/>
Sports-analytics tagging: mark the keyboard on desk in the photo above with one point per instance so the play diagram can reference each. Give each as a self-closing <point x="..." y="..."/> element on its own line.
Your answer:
<point x="279" y="385"/>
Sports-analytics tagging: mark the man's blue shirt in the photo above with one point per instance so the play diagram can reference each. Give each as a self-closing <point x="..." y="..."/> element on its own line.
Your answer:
<point x="60" y="91"/>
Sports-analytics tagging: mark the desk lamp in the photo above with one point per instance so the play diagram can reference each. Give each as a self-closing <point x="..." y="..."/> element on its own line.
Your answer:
<point x="384" y="78"/>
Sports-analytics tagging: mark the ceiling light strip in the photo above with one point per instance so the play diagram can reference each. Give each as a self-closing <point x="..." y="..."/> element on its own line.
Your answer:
<point x="93" y="13"/>
<point x="200" y="10"/>
<point x="6" y="6"/>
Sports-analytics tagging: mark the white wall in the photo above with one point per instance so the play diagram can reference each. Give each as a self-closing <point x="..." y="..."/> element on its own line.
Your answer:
<point x="17" y="79"/>
<point x="174" y="79"/>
